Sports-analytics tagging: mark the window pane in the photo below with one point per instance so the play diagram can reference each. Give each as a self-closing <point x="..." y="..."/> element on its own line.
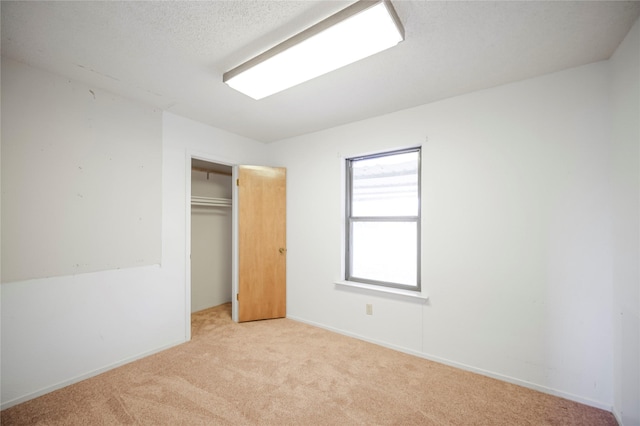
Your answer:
<point x="385" y="186"/>
<point x="385" y="251"/>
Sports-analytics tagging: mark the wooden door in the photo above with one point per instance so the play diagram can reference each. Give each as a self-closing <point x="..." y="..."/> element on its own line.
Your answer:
<point x="262" y="252"/>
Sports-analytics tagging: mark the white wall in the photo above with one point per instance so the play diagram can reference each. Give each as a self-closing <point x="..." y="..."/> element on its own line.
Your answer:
<point x="82" y="181"/>
<point x="56" y="331"/>
<point x="211" y="244"/>
<point x="516" y="233"/>
<point x="625" y="66"/>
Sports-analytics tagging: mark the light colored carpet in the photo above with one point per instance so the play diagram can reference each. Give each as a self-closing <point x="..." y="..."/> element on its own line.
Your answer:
<point x="282" y="372"/>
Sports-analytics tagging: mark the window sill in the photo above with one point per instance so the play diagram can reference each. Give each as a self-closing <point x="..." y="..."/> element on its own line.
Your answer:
<point x="394" y="292"/>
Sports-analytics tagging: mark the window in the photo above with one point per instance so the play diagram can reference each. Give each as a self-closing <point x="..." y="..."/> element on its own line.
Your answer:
<point x="383" y="219"/>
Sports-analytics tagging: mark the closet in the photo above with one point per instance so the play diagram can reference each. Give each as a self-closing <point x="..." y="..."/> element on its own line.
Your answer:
<point x="211" y="231"/>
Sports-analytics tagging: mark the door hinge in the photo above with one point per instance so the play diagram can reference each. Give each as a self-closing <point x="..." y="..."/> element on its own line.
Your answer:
<point x="237" y="296"/>
<point x="237" y="182"/>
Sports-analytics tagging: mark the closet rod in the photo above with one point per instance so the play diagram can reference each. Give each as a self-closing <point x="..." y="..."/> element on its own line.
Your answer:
<point x="210" y="202"/>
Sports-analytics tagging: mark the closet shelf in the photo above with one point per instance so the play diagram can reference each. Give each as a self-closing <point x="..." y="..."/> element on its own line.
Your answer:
<point x="210" y="202"/>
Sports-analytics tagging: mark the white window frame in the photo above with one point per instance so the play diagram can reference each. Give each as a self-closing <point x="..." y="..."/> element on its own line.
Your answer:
<point x="350" y="220"/>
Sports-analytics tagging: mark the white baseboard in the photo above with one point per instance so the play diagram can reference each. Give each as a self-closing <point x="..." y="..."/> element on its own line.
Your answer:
<point x="576" y="398"/>
<point x="65" y="383"/>
<point x="617" y="415"/>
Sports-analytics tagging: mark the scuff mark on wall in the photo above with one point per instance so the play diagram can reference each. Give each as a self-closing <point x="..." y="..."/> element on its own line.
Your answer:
<point x="97" y="72"/>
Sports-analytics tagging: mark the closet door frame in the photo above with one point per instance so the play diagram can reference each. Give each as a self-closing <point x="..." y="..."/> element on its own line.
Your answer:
<point x="234" y="237"/>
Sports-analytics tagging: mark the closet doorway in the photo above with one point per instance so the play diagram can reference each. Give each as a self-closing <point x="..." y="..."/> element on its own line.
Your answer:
<point x="211" y="234"/>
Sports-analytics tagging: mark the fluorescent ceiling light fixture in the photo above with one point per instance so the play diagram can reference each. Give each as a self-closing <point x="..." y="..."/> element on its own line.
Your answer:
<point x="360" y="30"/>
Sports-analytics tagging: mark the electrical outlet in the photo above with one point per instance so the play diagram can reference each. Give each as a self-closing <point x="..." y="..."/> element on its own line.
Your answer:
<point x="369" y="309"/>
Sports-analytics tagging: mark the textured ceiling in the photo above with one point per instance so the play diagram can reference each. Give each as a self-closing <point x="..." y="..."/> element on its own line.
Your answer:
<point x="172" y="54"/>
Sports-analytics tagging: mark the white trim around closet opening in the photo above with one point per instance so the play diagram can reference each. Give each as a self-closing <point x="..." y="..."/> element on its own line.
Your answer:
<point x="197" y="155"/>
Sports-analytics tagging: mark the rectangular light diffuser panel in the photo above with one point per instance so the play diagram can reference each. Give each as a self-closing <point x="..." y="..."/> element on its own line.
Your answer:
<point x="360" y="30"/>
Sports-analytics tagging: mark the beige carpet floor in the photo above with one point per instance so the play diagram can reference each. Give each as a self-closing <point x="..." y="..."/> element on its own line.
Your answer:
<point x="282" y="372"/>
